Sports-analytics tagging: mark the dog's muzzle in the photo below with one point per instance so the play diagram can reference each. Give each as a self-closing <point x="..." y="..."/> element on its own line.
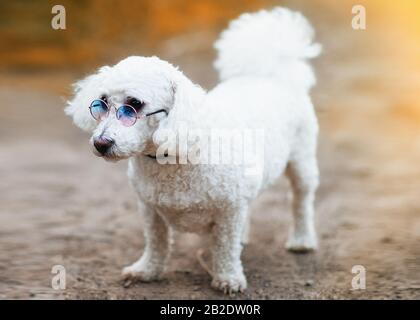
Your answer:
<point x="103" y="144"/>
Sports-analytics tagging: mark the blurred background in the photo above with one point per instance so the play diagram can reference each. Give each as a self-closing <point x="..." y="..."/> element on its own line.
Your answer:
<point x="58" y="203"/>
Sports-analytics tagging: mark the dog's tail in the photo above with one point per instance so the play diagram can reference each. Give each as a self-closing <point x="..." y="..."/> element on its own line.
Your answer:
<point x="268" y="43"/>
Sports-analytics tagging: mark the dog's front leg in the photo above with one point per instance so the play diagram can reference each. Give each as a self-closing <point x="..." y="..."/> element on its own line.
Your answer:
<point x="156" y="252"/>
<point x="228" y="274"/>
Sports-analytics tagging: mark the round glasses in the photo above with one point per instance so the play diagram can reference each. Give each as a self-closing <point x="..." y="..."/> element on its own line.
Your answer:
<point x="126" y="114"/>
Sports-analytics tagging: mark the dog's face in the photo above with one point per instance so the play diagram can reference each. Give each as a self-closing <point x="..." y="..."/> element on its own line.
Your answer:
<point x="113" y="140"/>
<point x="146" y="84"/>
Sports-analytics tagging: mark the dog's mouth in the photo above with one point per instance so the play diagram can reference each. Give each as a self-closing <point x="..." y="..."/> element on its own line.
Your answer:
<point x="110" y="155"/>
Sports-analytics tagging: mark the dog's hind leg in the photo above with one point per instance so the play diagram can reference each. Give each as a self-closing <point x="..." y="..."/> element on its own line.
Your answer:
<point x="302" y="171"/>
<point x="156" y="252"/>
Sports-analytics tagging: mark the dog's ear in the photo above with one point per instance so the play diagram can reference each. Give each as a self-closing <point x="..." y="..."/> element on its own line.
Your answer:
<point x="85" y="91"/>
<point x="187" y="98"/>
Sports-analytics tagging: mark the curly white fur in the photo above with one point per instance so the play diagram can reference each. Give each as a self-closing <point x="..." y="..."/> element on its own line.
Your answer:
<point x="264" y="85"/>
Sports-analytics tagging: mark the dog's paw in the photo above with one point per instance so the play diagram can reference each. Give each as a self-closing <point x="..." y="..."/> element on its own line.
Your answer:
<point x="136" y="272"/>
<point x="301" y="243"/>
<point x="230" y="284"/>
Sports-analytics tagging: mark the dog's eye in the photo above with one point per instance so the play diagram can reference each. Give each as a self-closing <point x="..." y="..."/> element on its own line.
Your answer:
<point x="135" y="103"/>
<point x="104" y="98"/>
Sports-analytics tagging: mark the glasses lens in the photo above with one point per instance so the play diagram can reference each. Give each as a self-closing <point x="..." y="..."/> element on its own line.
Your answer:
<point x="127" y="115"/>
<point x="99" y="110"/>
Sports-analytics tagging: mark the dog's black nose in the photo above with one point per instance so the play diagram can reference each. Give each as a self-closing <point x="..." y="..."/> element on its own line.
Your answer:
<point x="102" y="144"/>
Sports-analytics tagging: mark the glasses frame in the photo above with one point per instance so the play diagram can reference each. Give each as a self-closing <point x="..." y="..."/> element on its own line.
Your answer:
<point x="138" y="116"/>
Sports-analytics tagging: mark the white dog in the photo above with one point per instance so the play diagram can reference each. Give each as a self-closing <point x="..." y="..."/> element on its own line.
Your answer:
<point x="265" y="81"/>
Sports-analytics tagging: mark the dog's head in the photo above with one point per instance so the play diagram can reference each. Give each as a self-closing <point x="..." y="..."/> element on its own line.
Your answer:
<point x="148" y="84"/>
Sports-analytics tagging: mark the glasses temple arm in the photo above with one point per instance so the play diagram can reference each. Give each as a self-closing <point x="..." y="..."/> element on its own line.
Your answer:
<point x="157" y="111"/>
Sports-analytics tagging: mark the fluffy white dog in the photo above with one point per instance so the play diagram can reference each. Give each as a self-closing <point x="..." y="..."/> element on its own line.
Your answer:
<point x="265" y="81"/>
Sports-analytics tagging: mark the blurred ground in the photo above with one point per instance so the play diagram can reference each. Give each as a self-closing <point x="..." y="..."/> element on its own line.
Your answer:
<point x="59" y="204"/>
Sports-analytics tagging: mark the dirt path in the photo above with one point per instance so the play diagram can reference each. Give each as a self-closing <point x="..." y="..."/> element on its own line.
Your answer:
<point x="58" y="202"/>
